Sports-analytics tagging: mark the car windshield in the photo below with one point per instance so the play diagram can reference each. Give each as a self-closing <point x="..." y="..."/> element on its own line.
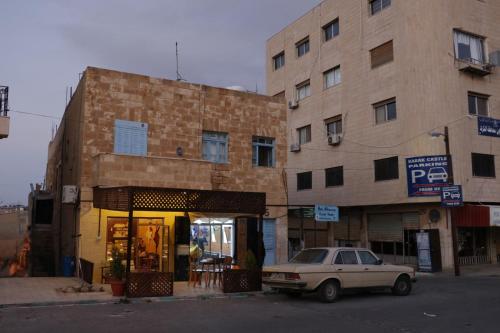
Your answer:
<point x="437" y="170"/>
<point x="310" y="256"/>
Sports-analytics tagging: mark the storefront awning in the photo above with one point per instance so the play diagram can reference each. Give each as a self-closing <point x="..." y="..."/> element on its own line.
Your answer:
<point x="178" y="200"/>
<point x="471" y="216"/>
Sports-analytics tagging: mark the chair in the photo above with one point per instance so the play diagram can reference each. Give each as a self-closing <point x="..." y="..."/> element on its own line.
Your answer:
<point x="195" y="272"/>
<point x="224" y="264"/>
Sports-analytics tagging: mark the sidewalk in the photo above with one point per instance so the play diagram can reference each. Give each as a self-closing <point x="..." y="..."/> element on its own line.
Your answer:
<point x="486" y="270"/>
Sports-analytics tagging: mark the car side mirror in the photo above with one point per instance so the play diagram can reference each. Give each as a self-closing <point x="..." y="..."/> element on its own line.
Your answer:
<point x="379" y="262"/>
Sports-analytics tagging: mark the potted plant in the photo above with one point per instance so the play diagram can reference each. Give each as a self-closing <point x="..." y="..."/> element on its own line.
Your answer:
<point x="117" y="271"/>
<point x="245" y="279"/>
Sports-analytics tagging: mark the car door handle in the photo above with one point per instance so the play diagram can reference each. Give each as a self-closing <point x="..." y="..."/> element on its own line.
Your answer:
<point x="367" y="269"/>
<point x="339" y="269"/>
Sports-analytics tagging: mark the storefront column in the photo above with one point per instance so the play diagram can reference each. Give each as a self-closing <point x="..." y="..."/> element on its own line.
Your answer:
<point x="129" y="232"/>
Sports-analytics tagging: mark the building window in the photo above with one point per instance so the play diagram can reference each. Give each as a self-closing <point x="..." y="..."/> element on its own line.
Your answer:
<point x="279" y="61"/>
<point x="302" y="47"/>
<point x="386" y="169"/>
<point x="215" y="147"/>
<point x="263" y="152"/>
<point x="303" y="90"/>
<point x="334" y="125"/>
<point x="382" y="54"/>
<point x="483" y="165"/>
<point x="304" y="181"/>
<point x="385" y="111"/>
<point x="332" y="77"/>
<point x="331" y="30"/>
<point x="131" y="138"/>
<point x="304" y="134"/>
<point x="478" y="104"/>
<point x="378" y="5"/>
<point x="468" y="47"/>
<point x="334" y="176"/>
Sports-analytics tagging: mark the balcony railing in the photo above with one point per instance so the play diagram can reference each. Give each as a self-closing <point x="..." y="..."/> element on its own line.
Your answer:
<point x="474" y="66"/>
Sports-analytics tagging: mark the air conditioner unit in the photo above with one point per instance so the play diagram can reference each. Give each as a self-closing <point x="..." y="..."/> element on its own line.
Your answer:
<point x="292" y="105"/>
<point x="295" y="148"/>
<point x="334" y="139"/>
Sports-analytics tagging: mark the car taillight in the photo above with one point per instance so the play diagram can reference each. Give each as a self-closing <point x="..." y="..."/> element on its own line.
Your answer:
<point x="266" y="274"/>
<point x="292" y="276"/>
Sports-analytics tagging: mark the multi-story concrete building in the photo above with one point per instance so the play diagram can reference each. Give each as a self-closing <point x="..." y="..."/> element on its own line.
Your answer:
<point x="4" y="108"/>
<point x="370" y="84"/>
<point x="180" y="162"/>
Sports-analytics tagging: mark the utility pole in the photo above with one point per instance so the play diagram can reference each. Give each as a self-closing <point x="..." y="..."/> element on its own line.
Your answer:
<point x="451" y="181"/>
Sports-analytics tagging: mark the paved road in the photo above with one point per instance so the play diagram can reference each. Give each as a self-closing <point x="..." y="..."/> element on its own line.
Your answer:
<point x="436" y="305"/>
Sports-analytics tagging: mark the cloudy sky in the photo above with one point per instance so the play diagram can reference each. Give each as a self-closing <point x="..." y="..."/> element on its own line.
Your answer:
<point x="46" y="44"/>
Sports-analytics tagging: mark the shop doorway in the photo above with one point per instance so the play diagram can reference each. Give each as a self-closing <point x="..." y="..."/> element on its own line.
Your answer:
<point x="473" y="246"/>
<point x="150" y="243"/>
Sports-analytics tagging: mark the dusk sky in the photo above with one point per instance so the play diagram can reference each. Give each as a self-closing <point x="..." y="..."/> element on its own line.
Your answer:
<point x="46" y="44"/>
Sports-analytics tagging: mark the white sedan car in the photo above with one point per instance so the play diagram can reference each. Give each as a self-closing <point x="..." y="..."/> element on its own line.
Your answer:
<point x="330" y="270"/>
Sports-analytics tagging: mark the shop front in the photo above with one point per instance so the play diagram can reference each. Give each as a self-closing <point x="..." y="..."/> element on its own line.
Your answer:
<point x="167" y="233"/>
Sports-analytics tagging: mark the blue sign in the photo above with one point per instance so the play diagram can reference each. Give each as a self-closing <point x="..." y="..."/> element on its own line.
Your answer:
<point x="488" y="126"/>
<point x="426" y="175"/>
<point x="451" y="196"/>
<point x="323" y="213"/>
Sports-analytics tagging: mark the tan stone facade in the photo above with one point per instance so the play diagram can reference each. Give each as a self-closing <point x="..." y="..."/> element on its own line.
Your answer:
<point x="177" y="113"/>
<point x="424" y="79"/>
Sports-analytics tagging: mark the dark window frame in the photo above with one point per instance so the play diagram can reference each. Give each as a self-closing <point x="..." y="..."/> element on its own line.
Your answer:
<point x="302" y="47"/>
<point x="334" y="177"/>
<point x="304" y="183"/>
<point x="337" y="121"/>
<point x="483" y="165"/>
<point x="277" y="65"/>
<point x="387" y="116"/>
<point x="308" y="130"/>
<point x="376" y="6"/>
<point x="476" y="97"/>
<point x="329" y="31"/>
<point x="386" y="168"/>
<point x="261" y="142"/>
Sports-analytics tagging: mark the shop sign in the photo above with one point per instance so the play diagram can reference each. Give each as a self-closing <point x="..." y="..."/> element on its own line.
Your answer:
<point x="424" y="252"/>
<point x="324" y="213"/>
<point x="488" y="126"/>
<point x="495" y="216"/>
<point x="426" y="175"/>
<point x="451" y="196"/>
<point x="306" y="212"/>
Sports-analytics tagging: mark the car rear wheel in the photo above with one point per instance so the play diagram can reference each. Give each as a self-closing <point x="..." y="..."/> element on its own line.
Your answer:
<point x="402" y="286"/>
<point x="329" y="291"/>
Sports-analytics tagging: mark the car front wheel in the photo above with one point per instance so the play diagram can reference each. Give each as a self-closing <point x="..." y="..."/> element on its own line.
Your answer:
<point x="329" y="291"/>
<point x="402" y="287"/>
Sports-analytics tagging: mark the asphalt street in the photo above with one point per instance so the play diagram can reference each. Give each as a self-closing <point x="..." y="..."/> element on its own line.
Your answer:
<point x="437" y="304"/>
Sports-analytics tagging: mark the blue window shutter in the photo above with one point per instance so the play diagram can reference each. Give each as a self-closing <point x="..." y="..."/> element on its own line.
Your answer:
<point x="131" y="138"/>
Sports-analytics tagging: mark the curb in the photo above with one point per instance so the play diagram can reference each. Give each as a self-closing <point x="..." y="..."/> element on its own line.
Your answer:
<point x="124" y="300"/>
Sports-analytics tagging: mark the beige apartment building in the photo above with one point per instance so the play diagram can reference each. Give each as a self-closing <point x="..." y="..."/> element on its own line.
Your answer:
<point x="371" y="87"/>
<point x="180" y="164"/>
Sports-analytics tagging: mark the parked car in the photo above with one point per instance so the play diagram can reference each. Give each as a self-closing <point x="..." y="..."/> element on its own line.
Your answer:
<point x="328" y="271"/>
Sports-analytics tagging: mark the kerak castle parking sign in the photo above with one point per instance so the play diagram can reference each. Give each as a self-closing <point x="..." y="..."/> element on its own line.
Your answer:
<point x="426" y="175"/>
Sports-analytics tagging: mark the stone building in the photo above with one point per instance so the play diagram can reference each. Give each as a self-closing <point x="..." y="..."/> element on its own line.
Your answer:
<point x="367" y="82"/>
<point x="184" y="163"/>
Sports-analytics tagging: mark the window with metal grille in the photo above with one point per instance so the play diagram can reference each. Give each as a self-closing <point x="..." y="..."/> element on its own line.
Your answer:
<point x="215" y="147"/>
<point x="263" y="152"/>
<point x="304" y="181"/>
<point x="302" y="47"/>
<point x="332" y="77"/>
<point x="483" y="165"/>
<point x="478" y="104"/>
<point x="279" y="61"/>
<point x="378" y="5"/>
<point x="334" y="176"/>
<point x="331" y="30"/>
<point x="304" y="134"/>
<point x="382" y="54"/>
<point x="385" y="111"/>
<point x="386" y="168"/>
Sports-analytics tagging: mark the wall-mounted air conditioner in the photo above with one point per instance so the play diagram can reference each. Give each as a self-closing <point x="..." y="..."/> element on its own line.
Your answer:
<point x="334" y="139"/>
<point x="293" y="104"/>
<point x="295" y="148"/>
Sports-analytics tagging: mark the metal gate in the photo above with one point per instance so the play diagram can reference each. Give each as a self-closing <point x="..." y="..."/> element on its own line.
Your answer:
<point x="269" y="230"/>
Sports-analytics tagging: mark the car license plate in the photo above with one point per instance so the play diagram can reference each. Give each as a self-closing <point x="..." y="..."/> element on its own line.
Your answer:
<point x="277" y="276"/>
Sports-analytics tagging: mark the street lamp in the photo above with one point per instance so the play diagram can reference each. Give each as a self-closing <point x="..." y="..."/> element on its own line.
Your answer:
<point x="450" y="181"/>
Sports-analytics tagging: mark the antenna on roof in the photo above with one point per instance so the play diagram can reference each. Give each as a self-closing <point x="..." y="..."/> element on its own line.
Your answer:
<point x="179" y="76"/>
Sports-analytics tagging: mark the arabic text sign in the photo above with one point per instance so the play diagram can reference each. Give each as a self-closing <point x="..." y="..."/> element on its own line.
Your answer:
<point x="451" y="196"/>
<point x="323" y="213"/>
<point x="426" y="175"/>
<point x="488" y="126"/>
<point x="495" y="216"/>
